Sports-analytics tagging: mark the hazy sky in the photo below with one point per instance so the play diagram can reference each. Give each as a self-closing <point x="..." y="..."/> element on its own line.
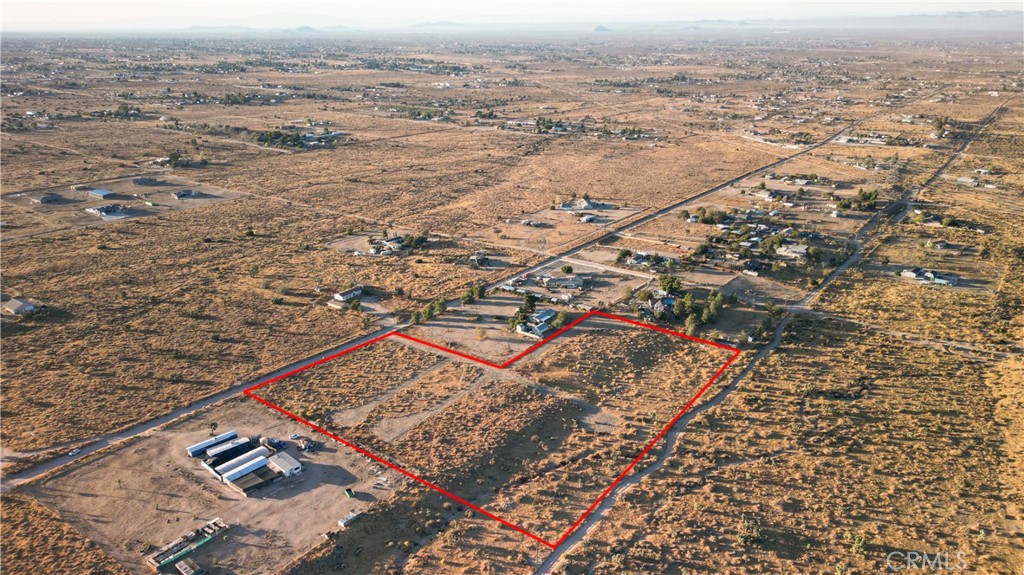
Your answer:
<point x="70" y="15"/>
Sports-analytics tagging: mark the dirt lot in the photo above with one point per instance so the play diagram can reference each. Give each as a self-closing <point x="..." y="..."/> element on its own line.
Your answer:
<point x="590" y="425"/>
<point x="150" y="492"/>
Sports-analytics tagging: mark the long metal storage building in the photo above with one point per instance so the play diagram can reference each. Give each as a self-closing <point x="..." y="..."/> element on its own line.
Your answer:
<point x="245" y="468"/>
<point x="202" y="446"/>
<point x="242" y="460"/>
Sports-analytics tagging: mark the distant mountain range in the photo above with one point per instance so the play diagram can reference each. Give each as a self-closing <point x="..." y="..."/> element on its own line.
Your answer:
<point x="994" y="20"/>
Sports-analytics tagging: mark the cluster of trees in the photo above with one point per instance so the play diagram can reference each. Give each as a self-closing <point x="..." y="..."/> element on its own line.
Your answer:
<point x="865" y="201"/>
<point x="473" y="294"/>
<point x="233" y="99"/>
<point x="684" y="307"/>
<point x="123" y="112"/>
<point x="430" y="311"/>
<point x="545" y="125"/>
<point x="525" y="309"/>
<point x="706" y="217"/>
<point x="411" y="242"/>
<point x="280" y="139"/>
<point x="179" y="160"/>
<point x="768" y="323"/>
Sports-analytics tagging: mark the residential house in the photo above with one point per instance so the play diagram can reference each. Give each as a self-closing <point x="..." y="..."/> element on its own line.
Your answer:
<point x="795" y="251"/>
<point x="912" y="273"/>
<point x="184" y="194"/>
<point x="106" y="210"/>
<point x="19" y="306"/>
<point x="539" y="331"/>
<point x="349" y="294"/>
<point x="101" y="193"/>
<point x="541" y="316"/>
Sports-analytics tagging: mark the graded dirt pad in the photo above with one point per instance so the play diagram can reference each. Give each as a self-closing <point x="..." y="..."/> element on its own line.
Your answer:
<point x="862" y="445"/>
<point x="148" y="492"/>
<point x="136" y="200"/>
<point x="590" y="402"/>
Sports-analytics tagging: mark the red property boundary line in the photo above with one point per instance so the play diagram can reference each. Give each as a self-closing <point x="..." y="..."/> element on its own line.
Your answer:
<point x="735" y="354"/>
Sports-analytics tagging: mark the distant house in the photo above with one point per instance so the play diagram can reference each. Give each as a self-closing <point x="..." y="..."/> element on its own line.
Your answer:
<point x="539" y="331"/>
<point x="587" y="219"/>
<point x="145" y="181"/>
<point x="47" y="198"/>
<point x="541" y="316"/>
<point x="941" y="278"/>
<point x="183" y="194"/>
<point x="580" y="204"/>
<point x="349" y="294"/>
<point x="912" y="273"/>
<point x="573" y="283"/>
<point x="19" y="306"/>
<point x="106" y="210"/>
<point x="101" y="193"/>
<point x="792" y="251"/>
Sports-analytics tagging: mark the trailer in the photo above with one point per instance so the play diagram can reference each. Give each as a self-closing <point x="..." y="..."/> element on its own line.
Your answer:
<point x="213" y="451"/>
<point x="175" y="550"/>
<point x="202" y="446"/>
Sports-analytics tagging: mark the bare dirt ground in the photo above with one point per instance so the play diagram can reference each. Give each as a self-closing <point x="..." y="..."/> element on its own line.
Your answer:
<point x="149" y="492"/>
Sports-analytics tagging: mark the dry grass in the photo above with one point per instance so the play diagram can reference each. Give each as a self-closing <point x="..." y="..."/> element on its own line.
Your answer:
<point x="887" y="426"/>
<point x="29" y="531"/>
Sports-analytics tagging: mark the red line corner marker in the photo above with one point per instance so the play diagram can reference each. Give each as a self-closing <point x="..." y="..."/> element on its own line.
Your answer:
<point x="735" y="354"/>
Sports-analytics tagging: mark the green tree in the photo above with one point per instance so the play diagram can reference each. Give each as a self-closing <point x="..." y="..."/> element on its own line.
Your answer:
<point x="688" y="303"/>
<point x="691" y="324"/>
<point x="529" y="302"/>
<point x="560" y="320"/>
<point x="567" y="269"/>
<point x="679" y="307"/>
<point x="708" y="315"/>
<point x="668" y="283"/>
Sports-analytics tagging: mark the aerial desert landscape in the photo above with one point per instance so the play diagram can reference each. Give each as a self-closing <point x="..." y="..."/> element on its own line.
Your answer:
<point x="741" y="294"/>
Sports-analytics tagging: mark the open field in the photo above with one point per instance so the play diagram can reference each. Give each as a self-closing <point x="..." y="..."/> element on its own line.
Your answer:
<point x="814" y="483"/>
<point x="172" y="308"/>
